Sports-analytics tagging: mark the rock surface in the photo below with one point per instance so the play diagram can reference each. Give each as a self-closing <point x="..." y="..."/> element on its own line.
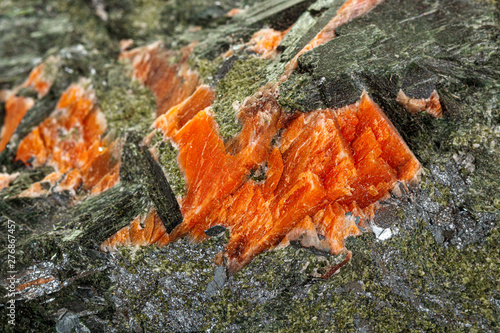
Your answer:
<point x="432" y="262"/>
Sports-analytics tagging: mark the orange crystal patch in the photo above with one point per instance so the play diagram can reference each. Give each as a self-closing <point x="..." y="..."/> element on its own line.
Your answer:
<point x="322" y="177"/>
<point x="265" y="42"/>
<point x="431" y="105"/>
<point x="70" y="141"/>
<point x="6" y="179"/>
<point x="152" y="232"/>
<point x="179" y="115"/>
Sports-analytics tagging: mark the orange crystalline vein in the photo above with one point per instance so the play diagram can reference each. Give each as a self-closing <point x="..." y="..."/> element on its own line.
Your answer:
<point x="431" y="105"/>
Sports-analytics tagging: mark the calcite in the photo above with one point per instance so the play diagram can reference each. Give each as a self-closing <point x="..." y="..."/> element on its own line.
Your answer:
<point x="328" y="163"/>
<point x="15" y="109"/>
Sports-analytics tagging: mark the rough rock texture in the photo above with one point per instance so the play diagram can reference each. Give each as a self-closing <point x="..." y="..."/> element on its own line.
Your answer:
<point x="431" y="263"/>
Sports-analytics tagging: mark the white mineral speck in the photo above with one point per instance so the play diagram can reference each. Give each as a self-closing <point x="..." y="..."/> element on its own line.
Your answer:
<point x="382" y="234"/>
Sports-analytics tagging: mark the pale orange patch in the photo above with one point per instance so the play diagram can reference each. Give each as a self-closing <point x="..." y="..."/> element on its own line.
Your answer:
<point x="42" y="187"/>
<point x="71" y="181"/>
<point x="266" y="41"/>
<point x="6" y="179"/>
<point x="233" y="12"/>
<point x="431" y="105"/>
<point x="146" y="230"/>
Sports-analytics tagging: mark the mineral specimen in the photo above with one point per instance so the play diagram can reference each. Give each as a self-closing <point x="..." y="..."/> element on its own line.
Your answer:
<point x="280" y="90"/>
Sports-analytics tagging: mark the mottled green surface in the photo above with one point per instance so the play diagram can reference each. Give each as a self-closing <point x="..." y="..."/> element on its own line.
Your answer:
<point x="242" y="80"/>
<point x="440" y="271"/>
<point x="127" y="105"/>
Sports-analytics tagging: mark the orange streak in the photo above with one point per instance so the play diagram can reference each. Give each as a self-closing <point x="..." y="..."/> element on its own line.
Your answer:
<point x="36" y="282"/>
